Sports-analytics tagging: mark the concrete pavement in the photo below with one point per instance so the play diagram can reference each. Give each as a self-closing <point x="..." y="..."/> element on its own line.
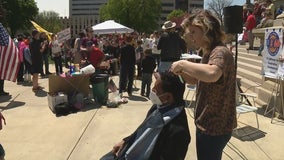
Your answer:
<point x="33" y="132"/>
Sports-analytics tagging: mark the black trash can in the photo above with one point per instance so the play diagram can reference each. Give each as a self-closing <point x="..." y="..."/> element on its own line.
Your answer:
<point x="100" y="87"/>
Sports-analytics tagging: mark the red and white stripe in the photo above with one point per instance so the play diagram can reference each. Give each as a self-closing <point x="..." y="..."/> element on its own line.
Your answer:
<point x="9" y="61"/>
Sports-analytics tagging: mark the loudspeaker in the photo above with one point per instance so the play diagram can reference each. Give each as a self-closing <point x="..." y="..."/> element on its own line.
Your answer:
<point x="233" y="19"/>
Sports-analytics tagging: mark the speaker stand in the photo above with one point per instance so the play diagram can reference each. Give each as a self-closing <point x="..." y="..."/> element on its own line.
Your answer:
<point x="236" y="53"/>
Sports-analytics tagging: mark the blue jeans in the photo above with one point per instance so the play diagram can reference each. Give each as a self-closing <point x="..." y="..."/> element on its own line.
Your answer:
<point x="146" y="82"/>
<point x="210" y="147"/>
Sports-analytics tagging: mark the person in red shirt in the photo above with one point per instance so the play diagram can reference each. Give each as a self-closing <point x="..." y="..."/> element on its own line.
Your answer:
<point x="250" y="24"/>
<point x="95" y="56"/>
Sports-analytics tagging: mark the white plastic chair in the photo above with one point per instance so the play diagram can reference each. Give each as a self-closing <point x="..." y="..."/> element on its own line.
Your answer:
<point x="242" y="107"/>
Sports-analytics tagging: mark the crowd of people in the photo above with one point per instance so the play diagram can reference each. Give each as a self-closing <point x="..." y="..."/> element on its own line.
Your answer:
<point x="35" y="51"/>
<point x="259" y="15"/>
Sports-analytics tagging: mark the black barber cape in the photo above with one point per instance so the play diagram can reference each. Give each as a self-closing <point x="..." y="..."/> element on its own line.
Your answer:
<point x="172" y="142"/>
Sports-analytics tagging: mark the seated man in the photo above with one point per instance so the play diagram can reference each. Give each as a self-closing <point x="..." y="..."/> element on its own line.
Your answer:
<point x="164" y="134"/>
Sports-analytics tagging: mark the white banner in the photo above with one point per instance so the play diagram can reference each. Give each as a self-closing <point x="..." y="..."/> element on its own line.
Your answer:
<point x="273" y="46"/>
<point x="281" y="70"/>
<point x="64" y="35"/>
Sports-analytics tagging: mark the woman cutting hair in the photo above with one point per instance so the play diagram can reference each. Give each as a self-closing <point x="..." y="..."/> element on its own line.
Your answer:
<point x="215" y="77"/>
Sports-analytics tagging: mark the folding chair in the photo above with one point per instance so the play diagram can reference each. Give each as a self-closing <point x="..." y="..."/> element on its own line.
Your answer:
<point x="242" y="107"/>
<point x="191" y="88"/>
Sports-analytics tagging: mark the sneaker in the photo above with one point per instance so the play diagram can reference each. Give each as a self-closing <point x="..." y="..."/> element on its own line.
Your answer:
<point x="48" y="73"/>
<point x="3" y="93"/>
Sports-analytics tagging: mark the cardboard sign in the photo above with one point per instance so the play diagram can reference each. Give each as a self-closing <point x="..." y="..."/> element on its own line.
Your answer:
<point x="281" y="70"/>
<point x="64" y="35"/>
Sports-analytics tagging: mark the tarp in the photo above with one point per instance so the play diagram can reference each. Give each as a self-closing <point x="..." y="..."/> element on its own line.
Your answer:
<point x="110" y="26"/>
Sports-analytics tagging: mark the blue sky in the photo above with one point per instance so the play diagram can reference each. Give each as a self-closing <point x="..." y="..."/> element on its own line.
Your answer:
<point x="62" y="6"/>
<point x="240" y="2"/>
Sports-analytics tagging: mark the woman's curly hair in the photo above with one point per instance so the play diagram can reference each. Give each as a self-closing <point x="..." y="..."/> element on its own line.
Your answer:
<point x="211" y="26"/>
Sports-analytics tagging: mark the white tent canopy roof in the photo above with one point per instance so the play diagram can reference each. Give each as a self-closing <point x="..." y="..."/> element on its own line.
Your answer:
<point x="110" y="26"/>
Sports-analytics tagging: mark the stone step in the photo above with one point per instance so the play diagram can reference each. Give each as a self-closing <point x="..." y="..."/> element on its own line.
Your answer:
<point x="250" y="54"/>
<point x="249" y="66"/>
<point x="256" y="78"/>
<point x="263" y="94"/>
<point x="249" y="70"/>
<point x="250" y="61"/>
<point x="245" y="73"/>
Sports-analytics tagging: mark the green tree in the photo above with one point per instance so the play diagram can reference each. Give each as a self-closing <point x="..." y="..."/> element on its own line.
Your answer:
<point x="3" y="13"/>
<point x="175" y="13"/>
<point x="141" y="15"/>
<point x="19" y="13"/>
<point x="217" y="7"/>
<point x="49" y="20"/>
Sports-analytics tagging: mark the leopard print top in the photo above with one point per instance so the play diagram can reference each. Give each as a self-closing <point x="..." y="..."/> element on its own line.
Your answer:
<point x="215" y="102"/>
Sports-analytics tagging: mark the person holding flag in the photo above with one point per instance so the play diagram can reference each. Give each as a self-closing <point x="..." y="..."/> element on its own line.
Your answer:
<point x="2" y="92"/>
<point x="9" y="59"/>
<point x="9" y="66"/>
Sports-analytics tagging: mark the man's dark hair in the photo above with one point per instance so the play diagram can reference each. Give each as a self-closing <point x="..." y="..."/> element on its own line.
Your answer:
<point x="89" y="29"/>
<point x="128" y="38"/>
<point x="82" y="34"/>
<point x="34" y="32"/>
<point x="171" y="83"/>
<point x="139" y="42"/>
<point x="20" y="37"/>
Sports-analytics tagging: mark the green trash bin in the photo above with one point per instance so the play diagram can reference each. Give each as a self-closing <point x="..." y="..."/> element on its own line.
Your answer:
<point x="100" y="88"/>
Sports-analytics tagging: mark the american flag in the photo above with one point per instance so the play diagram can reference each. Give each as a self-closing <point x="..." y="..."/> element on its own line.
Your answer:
<point x="9" y="57"/>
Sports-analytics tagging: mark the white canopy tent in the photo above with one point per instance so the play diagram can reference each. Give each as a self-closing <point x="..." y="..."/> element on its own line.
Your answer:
<point x="110" y="26"/>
